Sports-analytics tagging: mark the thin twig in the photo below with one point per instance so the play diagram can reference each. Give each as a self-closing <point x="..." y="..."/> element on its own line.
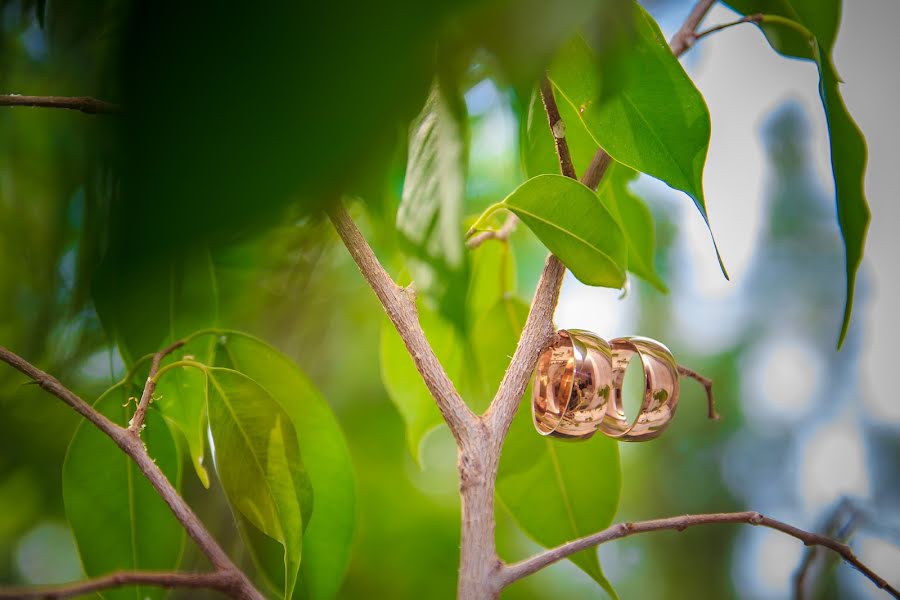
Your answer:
<point x="531" y="565"/>
<point x="400" y="305"/>
<point x="557" y="128"/>
<point x="685" y="37"/>
<point x="221" y="581"/>
<point x="757" y="18"/>
<point x="501" y="234"/>
<point x="134" y="448"/>
<point x="137" y="421"/>
<point x="839" y="525"/>
<point x="707" y="385"/>
<point x="85" y="104"/>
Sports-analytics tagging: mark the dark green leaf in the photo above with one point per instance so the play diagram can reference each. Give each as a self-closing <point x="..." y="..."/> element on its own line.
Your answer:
<point x="635" y="220"/>
<point x="329" y="531"/>
<point x="655" y="121"/>
<point x="119" y="520"/>
<point x="258" y="462"/>
<point x="794" y="28"/>
<point x="570" y="220"/>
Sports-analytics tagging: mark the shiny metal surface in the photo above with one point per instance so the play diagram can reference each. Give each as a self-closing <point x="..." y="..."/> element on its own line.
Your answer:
<point x="572" y="385"/>
<point x="660" y="397"/>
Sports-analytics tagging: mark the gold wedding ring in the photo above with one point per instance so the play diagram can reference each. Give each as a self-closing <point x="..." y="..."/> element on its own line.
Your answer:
<point x="577" y="388"/>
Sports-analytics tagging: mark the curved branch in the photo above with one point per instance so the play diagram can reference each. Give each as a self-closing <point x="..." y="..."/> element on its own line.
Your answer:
<point x="707" y="385"/>
<point x="85" y="104"/>
<point x="531" y="565"/>
<point x="501" y="234"/>
<point x="132" y="446"/>
<point x="137" y="421"/>
<point x="222" y="581"/>
<point x="400" y="305"/>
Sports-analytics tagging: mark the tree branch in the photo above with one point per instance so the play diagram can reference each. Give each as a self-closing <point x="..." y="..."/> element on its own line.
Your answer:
<point x="136" y="424"/>
<point x="531" y="565"/>
<point x="707" y="385"/>
<point x="85" y="104"/>
<point x="757" y="18"/>
<point x="686" y="36"/>
<point x="501" y="234"/>
<point x="221" y="581"/>
<point x="400" y="305"/>
<point x="132" y="446"/>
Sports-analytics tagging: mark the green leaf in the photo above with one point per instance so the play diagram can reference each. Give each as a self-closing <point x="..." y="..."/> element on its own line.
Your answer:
<point x="492" y="275"/>
<point x="181" y="398"/>
<point x="803" y="29"/>
<point x="494" y="339"/>
<point x="430" y="210"/>
<point x="258" y="462"/>
<point x="636" y="221"/>
<point x="576" y="227"/>
<point x="655" y="121"/>
<point x="403" y="382"/>
<point x="329" y="531"/>
<point x="118" y="519"/>
<point x="558" y="490"/>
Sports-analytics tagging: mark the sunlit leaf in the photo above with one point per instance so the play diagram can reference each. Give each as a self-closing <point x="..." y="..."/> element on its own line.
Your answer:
<point x="805" y="29"/>
<point x="119" y="521"/>
<point x="635" y="220"/>
<point x="558" y="490"/>
<point x="570" y="220"/>
<point x="329" y="530"/>
<point x="655" y="121"/>
<point x="430" y="211"/>
<point x="403" y="382"/>
<point x="258" y="462"/>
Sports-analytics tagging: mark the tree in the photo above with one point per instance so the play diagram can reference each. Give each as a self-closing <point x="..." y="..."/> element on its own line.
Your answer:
<point x="626" y="106"/>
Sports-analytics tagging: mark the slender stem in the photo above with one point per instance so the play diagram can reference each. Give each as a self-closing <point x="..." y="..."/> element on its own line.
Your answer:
<point x="685" y="37"/>
<point x="400" y="305"/>
<point x="501" y="234"/>
<point x="840" y="525"/>
<point x="531" y="565"/>
<point x="557" y="128"/>
<point x="85" y="104"/>
<point x="757" y="18"/>
<point x="137" y="421"/>
<point x="131" y="445"/>
<point x="220" y="581"/>
<point x="707" y="385"/>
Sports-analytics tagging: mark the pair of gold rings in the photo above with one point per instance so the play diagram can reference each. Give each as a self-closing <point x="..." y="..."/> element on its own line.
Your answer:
<point x="577" y="388"/>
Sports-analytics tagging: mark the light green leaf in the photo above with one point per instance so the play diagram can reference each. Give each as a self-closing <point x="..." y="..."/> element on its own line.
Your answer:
<point x="403" y="382"/>
<point x="576" y="227"/>
<point x="118" y="519"/>
<point x="635" y="219"/>
<point x="655" y="121"/>
<point x="258" y="462"/>
<point x="329" y="531"/>
<point x="181" y="398"/>
<point x="805" y="29"/>
<point x="492" y="275"/>
<point x="430" y="209"/>
<point x="495" y="337"/>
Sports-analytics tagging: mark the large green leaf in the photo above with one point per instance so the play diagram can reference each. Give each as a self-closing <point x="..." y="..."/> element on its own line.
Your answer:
<point x="329" y="530"/>
<point x="495" y="337"/>
<point x="570" y="220"/>
<point x="403" y="382"/>
<point x="805" y="29"/>
<point x="118" y="519"/>
<point x="655" y="121"/>
<point x="635" y="220"/>
<point x="430" y="210"/>
<point x="258" y="462"/>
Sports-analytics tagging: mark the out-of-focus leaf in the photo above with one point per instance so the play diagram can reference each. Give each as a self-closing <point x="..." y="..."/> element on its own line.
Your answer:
<point x="494" y="338"/>
<point x="403" y="382"/>
<point x="635" y="220"/>
<point x="258" y="462"/>
<point x="430" y="211"/>
<point x="559" y="490"/>
<point x="118" y="519"/>
<point x="329" y="530"/>
<point x="181" y="398"/>
<point x="805" y="29"/>
<point x="570" y="220"/>
<point x="656" y="120"/>
<point x="493" y="274"/>
<point x="173" y="297"/>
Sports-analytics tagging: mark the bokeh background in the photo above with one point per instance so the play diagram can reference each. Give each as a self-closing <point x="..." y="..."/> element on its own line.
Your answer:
<point x="807" y="432"/>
